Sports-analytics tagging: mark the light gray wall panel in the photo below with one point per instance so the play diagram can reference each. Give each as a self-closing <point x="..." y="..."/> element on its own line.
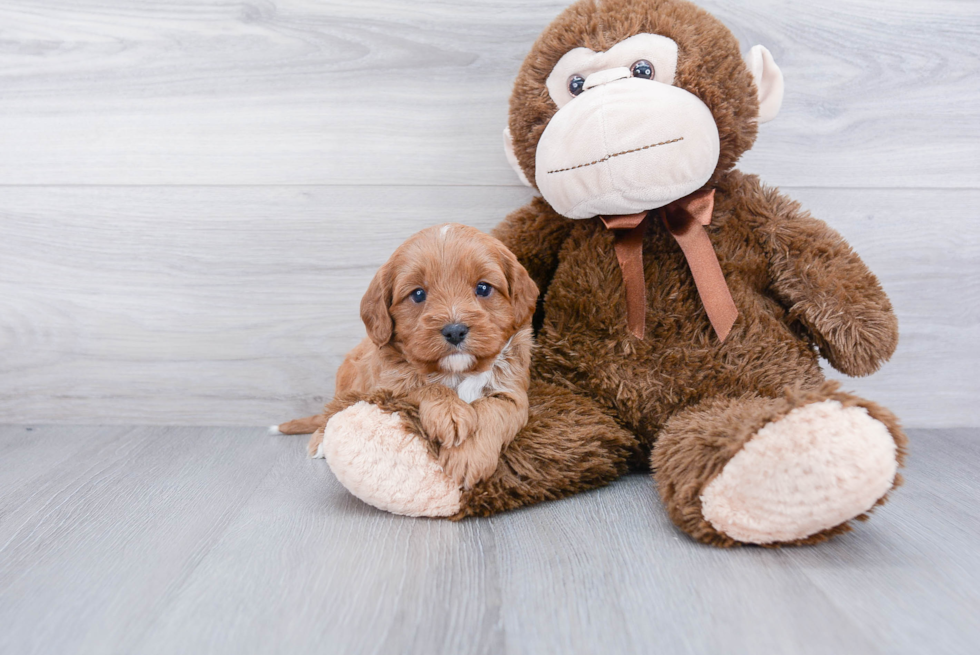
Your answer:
<point x="879" y="93"/>
<point x="925" y="248"/>
<point x="193" y="195"/>
<point x="196" y="305"/>
<point x="235" y="305"/>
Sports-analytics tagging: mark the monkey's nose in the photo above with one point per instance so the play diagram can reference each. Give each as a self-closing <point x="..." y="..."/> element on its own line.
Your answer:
<point x="599" y="78"/>
<point x="455" y="333"/>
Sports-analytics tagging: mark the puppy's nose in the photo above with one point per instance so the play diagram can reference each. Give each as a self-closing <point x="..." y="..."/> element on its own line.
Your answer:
<point x="455" y="333"/>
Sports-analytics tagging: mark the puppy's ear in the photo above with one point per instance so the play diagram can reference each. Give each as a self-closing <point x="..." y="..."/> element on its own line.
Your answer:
<point x="522" y="289"/>
<point x="374" y="307"/>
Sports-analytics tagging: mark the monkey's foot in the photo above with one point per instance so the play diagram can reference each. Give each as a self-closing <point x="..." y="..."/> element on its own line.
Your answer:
<point x="384" y="464"/>
<point x="815" y="468"/>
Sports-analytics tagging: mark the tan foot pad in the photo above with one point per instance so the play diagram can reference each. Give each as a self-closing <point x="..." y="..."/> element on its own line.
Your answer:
<point x="385" y="465"/>
<point x="813" y="469"/>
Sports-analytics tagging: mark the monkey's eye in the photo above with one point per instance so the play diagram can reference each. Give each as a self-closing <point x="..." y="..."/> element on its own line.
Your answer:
<point x="417" y="296"/>
<point x="643" y="69"/>
<point x="483" y="289"/>
<point x="576" y="84"/>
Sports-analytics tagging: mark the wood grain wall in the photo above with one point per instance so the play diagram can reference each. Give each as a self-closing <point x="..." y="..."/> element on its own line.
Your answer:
<point x="194" y="193"/>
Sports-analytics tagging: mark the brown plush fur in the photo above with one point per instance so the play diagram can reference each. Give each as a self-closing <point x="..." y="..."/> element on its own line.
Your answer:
<point x="406" y="356"/>
<point x="569" y="445"/>
<point x="799" y="289"/>
<point x="681" y="394"/>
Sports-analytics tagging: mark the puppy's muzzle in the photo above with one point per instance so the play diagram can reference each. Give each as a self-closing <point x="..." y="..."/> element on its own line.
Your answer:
<point x="455" y="333"/>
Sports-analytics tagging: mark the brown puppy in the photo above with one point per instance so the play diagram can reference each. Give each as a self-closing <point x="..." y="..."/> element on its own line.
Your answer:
<point x="448" y="323"/>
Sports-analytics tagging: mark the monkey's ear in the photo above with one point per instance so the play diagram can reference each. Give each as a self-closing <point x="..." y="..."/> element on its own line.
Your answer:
<point x="374" y="308"/>
<point x="512" y="158"/>
<point x="768" y="79"/>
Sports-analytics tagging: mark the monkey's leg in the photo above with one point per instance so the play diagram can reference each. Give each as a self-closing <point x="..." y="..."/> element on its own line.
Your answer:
<point x="570" y="444"/>
<point x="775" y="471"/>
<point x="376" y="453"/>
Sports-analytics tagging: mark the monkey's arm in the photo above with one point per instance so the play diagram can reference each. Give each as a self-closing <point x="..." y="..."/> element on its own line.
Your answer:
<point x="826" y="287"/>
<point x="535" y="234"/>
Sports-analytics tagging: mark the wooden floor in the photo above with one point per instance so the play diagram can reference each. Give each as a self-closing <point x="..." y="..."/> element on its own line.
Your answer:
<point x="228" y="540"/>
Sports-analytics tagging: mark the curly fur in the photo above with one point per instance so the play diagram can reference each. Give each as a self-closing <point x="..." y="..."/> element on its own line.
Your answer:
<point x="405" y="353"/>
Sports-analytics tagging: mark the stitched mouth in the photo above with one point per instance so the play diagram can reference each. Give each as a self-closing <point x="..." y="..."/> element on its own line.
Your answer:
<point x="616" y="154"/>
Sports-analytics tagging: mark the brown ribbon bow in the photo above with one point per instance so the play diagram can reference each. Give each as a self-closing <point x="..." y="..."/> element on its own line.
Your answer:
<point x="685" y="220"/>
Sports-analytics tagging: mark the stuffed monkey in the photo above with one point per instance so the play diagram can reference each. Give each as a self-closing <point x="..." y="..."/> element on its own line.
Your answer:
<point x="683" y="304"/>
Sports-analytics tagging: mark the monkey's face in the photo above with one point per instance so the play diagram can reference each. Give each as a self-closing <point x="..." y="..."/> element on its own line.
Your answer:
<point x="624" y="139"/>
<point x="654" y="113"/>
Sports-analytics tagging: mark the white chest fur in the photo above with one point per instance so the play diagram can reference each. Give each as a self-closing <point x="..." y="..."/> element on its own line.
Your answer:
<point x="473" y="386"/>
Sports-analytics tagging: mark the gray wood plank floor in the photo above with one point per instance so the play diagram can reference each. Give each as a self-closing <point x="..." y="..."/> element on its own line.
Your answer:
<point x="228" y="540"/>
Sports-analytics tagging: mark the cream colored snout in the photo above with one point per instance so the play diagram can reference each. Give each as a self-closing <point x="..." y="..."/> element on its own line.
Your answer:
<point x="625" y="145"/>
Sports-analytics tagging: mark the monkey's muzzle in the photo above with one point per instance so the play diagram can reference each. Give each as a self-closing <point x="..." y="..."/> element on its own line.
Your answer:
<point x="624" y="147"/>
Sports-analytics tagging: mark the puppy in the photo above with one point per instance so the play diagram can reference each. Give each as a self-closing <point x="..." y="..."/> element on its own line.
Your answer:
<point x="448" y="330"/>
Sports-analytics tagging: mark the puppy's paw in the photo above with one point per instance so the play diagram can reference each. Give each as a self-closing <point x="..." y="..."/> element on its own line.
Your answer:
<point x="447" y="420"/>
<point x="313" y="446"/>
<point x="471" y="462"/>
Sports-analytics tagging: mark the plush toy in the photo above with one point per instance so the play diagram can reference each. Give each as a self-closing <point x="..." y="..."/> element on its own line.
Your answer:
<point x="683" y="307"/>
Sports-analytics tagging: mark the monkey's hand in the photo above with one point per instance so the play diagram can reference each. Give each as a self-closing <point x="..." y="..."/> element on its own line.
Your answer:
<point x="826" y="287"/>
<point x="856" y="338"/>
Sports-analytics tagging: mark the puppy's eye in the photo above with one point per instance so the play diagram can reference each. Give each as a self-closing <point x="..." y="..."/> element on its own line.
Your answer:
<point x="642" y="69"/>
<point x="418" y="295"/>
<point x="483" y="289"/>
<point x="576" y="84"/>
